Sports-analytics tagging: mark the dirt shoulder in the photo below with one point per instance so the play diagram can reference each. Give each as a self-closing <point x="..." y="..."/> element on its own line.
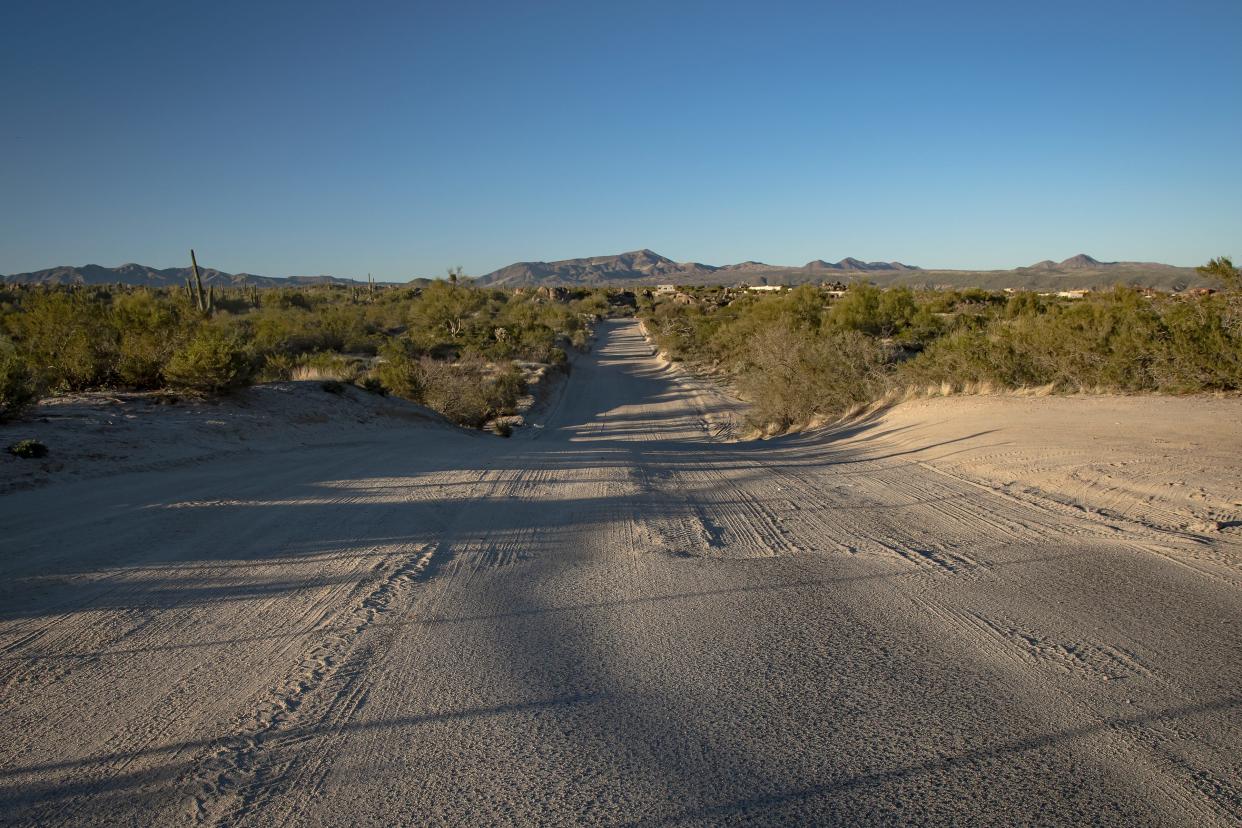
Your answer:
<point x="99" y="434"/>
<point x="1172" y="463"/>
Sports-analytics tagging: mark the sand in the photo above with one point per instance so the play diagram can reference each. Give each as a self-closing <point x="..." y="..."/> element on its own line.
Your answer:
<point x="982" y="610"/>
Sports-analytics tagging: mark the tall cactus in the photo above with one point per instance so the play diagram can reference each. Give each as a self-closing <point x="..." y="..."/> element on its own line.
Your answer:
<point x="204" y="301"/>
<point x="200" y="300"/>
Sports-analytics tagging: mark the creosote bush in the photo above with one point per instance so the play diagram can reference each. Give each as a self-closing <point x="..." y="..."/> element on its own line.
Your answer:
<point x="806" y="353"/>
<point x="391" y="339"/>
<point x="17" y="384"/>
<point x="214" y="361"/>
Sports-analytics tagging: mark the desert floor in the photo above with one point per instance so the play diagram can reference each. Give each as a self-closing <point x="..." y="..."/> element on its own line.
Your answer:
<point x="980" y="610"/>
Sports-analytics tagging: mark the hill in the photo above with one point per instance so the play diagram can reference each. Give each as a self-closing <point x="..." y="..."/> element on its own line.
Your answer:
<point x="136" y="274"/>
<point x="647" y="267"/>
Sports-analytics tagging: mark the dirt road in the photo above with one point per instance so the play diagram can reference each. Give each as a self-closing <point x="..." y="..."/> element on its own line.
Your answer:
<point x="613" y="619"/>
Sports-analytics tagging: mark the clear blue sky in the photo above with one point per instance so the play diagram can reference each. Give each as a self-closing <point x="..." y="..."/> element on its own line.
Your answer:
<point x="405" y="138"/>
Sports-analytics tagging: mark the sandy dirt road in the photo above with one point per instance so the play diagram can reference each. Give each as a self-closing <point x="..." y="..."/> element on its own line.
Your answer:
<point x="614" y="619"/>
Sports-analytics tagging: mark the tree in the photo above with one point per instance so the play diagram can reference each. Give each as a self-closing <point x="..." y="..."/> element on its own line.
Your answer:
<point x="1222" y="269"/>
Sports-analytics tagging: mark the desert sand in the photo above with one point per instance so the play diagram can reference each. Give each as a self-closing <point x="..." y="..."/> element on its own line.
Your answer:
<point x="306" y="609"/>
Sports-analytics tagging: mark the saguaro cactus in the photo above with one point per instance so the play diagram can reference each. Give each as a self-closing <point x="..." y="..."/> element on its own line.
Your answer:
<point x="200" y="300"/>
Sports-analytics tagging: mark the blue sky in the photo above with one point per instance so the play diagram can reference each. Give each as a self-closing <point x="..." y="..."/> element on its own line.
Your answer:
<point x="401" y="139"/>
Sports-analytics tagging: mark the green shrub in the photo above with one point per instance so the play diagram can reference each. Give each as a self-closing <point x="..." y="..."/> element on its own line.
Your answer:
<point x="18" y="389"/>
<point x="148" y="333"/>
<point x="214" y="361"/>
<point x="508" y="385"/>
<point x="66" y="338"/>
<point x="791" y="376"/>
<point x="277" y="367"/>
<point x="798" y="354"/>
<point x="399" y="370"/>
<point x="69" y="338"/>
<point x="28" y="449"/>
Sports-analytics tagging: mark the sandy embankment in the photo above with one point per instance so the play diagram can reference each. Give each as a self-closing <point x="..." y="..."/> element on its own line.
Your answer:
<point x="98" y="434"/>
<point x="1169" y="463"/>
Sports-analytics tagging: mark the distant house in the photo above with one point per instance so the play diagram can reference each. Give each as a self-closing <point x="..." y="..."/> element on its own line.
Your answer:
<point x="666" y="289"/>
<point x="1073" y="294"/>
<point x="766" y="288"/>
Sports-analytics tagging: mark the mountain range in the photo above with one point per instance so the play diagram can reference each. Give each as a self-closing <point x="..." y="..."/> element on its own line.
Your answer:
<point x="136" y="274"/>
<point x="645" y="267"/>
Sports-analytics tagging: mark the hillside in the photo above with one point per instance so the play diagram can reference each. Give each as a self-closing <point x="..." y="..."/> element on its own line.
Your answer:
<point x="136" y="274"/>
<point x="647" y="267"/>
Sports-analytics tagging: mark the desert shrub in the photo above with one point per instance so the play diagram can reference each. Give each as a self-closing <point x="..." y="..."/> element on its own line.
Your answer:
<point x="447" y="313"/>
<point x="65" y="338"/>
<point x="799" y="355"/>
<point x="468" y="392"/>
<point x="457" y="390"/>
<point x="536" y="343"/>
<point x="27" y="449"/>
<point x="508" y="385"/>
<point x="18" y="388"/>
<point x="1118" y="340"/>
<point x="373" y="385"/>
<point x="1201" y="348"/>
<point x="400" y="370"/>
<point x="215" y="360"/>
<point x="792" y="376"/>
<point x="276" y="367"/>
<point x="148" y="333"/>
<point x="84" y="337"/>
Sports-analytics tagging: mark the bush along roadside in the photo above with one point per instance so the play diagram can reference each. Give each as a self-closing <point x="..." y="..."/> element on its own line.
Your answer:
<point x="815" y="353"/>
<point x="452" y="347"/>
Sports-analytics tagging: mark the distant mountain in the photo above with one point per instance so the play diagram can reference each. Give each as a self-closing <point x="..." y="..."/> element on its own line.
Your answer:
<point x="136" y="274"/>
<point x="642" y="266"/>
<point x="853" y="264"/>
<point x="1080" y="262"/>
<point x="647" y="267"/>
<point x="1083" y="260"/>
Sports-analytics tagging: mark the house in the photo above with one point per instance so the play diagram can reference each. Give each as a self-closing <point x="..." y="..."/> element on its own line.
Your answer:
<point x="766" y="288"/>
<point x="1080" y="293"/>
<point x="662" y="289"/>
